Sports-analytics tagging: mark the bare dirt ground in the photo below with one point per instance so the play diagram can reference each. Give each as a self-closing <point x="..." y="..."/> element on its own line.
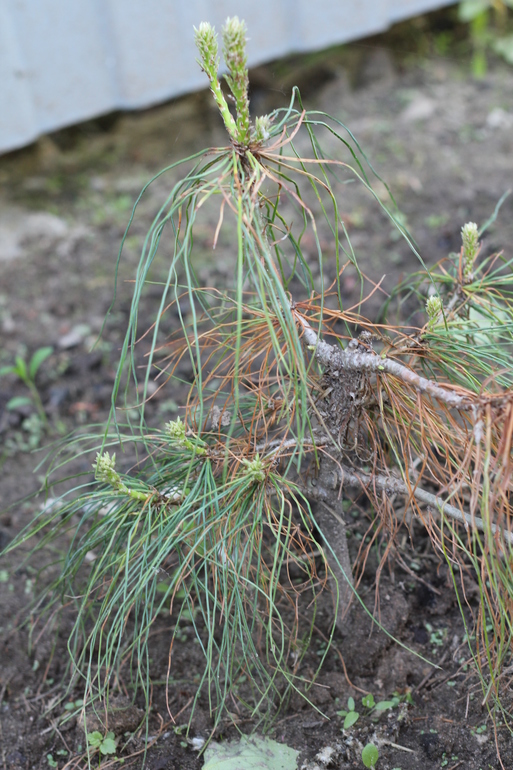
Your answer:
<point x="444" y="144"/>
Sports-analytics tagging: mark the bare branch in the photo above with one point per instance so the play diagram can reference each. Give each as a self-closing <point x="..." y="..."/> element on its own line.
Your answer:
<point x="336" y="358"/>
<point x="397" y="486"/>
<point x="392" y="485"/>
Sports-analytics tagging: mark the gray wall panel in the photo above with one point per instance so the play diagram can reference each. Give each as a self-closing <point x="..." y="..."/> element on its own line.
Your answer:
<point x="64" y="61"/>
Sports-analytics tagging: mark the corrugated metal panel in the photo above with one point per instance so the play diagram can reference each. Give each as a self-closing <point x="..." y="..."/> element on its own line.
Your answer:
<point x="64" y="61"/>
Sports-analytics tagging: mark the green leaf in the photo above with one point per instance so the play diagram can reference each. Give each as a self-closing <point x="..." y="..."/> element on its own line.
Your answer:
<point x="51" y="761"/>
<point x="253" y="753"/>
<point x="351" y="719"/>
<point x="504" y="47"/>
<point x="95" y="738"/>
<point x="17" y="401"/>
<point x="469" y="9"/>
<point x="108" y="745"/>
<point x="7" y="370"/>
<point x="20" y="367"/>
<point x="350" y="704"/>
<point x="368" y="701"/>
<point x="382" y="705"/>
<point x="370" y="755"/>
<point x="37" y="359"/>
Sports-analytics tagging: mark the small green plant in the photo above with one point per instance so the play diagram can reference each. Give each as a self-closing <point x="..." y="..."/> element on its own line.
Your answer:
<point x="437" y="636"/>
<point x="368" y="701"/>
<point x="372" y="708"/>
<point x="489" y="23"/>
<point x="351" y="716"/>
<point x="370" y="755"/>
<point x="445" y="759"/>
<point x="73" y="705"/>
<point x="26" y="371"/>
<point x="29" y="437"/>
<point x="106" y="744"/>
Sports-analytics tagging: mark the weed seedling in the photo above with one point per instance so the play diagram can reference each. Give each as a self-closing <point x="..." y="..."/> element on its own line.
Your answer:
<point x="488" y="33"/>
<point x="351" y="716"/>
<point x="437" y="636"/>
<point x="372" y="708"/>
<point x="370" y="755"/>
<point x="26" y="373"/>
<point x="106" y="744"/>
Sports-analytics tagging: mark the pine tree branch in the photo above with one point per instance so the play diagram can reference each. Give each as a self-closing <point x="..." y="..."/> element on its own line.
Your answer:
<point x="393" y="485"/>
<point x="355" y="360"/>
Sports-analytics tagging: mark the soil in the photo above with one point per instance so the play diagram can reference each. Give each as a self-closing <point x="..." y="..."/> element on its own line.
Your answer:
<point x="444" y="143"/>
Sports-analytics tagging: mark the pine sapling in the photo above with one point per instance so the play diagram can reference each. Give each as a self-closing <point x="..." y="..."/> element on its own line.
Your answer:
<point x="292" y="407"/>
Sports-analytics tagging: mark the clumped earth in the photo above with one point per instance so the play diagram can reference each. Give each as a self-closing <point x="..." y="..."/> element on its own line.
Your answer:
<point x="443" y="143"/>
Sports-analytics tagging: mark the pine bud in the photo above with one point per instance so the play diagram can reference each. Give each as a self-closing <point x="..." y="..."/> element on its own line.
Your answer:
<point x="469" y="236"/>
<point x="234" y="51"/>
<point x="206" y="42"/>
<point x="105" y="468"/>
<point x="176" y="430"/>
<point x="433" y="308"/>
<point x="255" y="469"/>
<point x="262" y="128"/>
